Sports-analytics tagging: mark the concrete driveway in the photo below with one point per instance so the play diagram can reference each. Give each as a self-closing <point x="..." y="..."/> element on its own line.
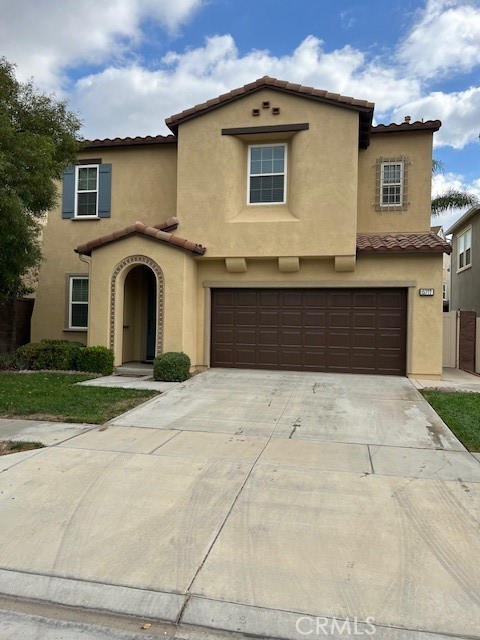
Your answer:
<point x="280" y="504"/>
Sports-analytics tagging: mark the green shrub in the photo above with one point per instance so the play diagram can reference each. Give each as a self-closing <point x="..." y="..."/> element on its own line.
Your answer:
<point x="96" y="360"/>
<point x="171" y="367"/>
<point x="8" y="361"/>
<point x="61" y="355"/>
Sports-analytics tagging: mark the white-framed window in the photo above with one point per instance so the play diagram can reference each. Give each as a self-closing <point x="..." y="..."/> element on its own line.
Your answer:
<point x="267" y="174"/>
<point x="391" y="184"/>
<point x="464" y="244"/>
<point x="86" y="191"/>
<point x="78" y="302"/>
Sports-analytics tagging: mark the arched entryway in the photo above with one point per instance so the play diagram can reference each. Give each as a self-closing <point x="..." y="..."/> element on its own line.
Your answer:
<point x="139" y="315"/>
<point x="136" y="312"/>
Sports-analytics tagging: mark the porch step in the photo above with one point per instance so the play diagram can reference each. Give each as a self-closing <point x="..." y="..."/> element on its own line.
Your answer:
<point x="134" y="370"/>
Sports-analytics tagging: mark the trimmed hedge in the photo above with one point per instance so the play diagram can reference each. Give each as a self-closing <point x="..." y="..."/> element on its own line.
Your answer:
<point x="60" y="355"/>
<point x="96" y="360"/>
<point x="173" y="366"/>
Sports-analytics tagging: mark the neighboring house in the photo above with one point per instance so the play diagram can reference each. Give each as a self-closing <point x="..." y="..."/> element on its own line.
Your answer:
<point x="303" y="239"/>
<point x="465" y="270"/>
<point x="446" y="282"/>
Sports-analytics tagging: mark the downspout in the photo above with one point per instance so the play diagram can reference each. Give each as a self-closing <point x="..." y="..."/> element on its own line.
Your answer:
<point x="88" y="261"/>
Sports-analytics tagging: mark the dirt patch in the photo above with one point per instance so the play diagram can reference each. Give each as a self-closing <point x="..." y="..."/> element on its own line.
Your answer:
<point x="15" y="446"/>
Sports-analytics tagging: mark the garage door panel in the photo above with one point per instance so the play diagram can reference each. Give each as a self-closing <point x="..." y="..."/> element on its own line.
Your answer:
<point x="245" y="356"/>
<point x="340" y="320"/>
<point x="268" y="357"/>
<point x="364" y="360"/>
<point x="268" y="318"/>
<point x="342" y="330"/>
<point x="225" y="317"/>
<point x="364" y="340"/>
<point x="315" y="338"/>
<point x="246" y="318"/>
<point x="363" y="320"/>
<point x="315" y="299"/>
<point x="291" y="358"/>
<point x="292" y="299"/>
<point x="224" y="336"/>
<point x="291" y="338"/>
<point x="316" y="319"/>
<point x="292" y="318"/>
<point x="247" y="299"/>
<point x="268" y="337"/>
<point x="389" y="320"/>
<point x="314" y="360"/>
<point x="390" y="300"/>
<point x="390" y="340"/>
<point x="225" y="298"/>
<point x="338" y="361"/>
<point x="246" y="337"/>
<point x="269" y="299"/>
<point x="339" y="299"/>
<point x="364" y="300"/>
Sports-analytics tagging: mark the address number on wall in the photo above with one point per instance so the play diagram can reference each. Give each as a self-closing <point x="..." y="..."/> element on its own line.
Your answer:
<point x="426" y="292"/>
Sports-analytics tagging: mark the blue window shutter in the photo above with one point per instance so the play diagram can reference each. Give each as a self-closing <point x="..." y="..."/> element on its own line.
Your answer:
<point x="68" y="198"/>
<point x="105" y="190"/>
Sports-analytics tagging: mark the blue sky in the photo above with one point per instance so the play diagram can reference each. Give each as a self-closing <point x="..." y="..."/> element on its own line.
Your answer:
<point x="125" y="65"/>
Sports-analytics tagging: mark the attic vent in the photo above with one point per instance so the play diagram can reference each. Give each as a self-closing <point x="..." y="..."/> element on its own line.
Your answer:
<point x="275" y="111"/>
<point x="266" y="105"/>
<point x="255" y="112"/>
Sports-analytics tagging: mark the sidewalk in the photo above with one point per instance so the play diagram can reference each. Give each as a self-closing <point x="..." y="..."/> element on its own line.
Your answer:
<point x="452" y="380"/>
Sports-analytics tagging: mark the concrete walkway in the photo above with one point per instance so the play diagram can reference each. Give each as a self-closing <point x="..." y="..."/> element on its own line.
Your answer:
<point x="256" y="502"/>
<point x="452" y="380"/>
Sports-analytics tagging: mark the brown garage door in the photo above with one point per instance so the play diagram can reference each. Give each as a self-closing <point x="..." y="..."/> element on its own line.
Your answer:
<point x="337" y="330"/>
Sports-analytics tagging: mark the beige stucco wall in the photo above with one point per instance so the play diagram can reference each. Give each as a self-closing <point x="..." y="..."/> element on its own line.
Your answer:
<point x="143" y="188"/>
<point x="424" y="331"/>
<point x="417" y="147"/>
<point x="321" y="172"/>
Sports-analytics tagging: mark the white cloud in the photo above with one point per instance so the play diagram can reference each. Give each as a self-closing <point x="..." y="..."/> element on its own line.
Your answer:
<point x="445" y="39"/>
<point x="135" y="100"/>
<point x="45" y="38"/>
<point x="459" y="113"/>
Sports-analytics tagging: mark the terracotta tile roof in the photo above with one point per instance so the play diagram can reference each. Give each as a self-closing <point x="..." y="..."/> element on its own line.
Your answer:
<point x="363" y="106"/>
<point x="127" y="142"/>
<point x="429" y="125"/>
<point x="169" y="225"/>
<point x="401" y="243"/>
<point x="143" y="229"/>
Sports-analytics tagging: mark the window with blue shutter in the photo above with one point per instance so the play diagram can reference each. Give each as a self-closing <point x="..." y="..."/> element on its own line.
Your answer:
<point x="87" y="191"/>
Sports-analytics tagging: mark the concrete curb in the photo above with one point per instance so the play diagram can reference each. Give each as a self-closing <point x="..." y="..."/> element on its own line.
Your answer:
<point x="195" y="611"/>
<point x="92" y="595"/>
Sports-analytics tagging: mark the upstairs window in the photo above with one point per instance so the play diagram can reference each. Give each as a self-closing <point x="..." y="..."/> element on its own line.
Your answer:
<point x="464" y="244"/>
<point x="78" y="303"/>
<point x="391" y="191"/>
<point x="86" y="191"/>
<point x="267" y="174"/>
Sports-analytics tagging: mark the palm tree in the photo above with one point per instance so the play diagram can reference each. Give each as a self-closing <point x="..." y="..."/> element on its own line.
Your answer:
<point x="452" y="198"/>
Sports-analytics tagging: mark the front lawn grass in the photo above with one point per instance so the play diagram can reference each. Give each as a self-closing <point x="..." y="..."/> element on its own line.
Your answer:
<point x="461" y="412"/>
<point x="55" y="396"/>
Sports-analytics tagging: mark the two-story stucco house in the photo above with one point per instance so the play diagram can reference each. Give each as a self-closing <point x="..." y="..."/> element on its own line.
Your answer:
<point x="465" y="270"/>
<point x="275" y="229"/>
